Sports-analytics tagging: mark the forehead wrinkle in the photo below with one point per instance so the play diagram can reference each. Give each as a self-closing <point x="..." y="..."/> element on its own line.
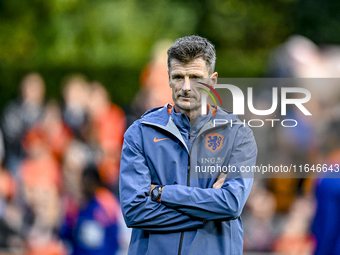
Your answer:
<point x="191" y="68"/>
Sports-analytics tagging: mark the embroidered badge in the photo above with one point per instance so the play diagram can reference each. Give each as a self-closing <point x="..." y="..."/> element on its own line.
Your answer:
<point x="214" y="142"/>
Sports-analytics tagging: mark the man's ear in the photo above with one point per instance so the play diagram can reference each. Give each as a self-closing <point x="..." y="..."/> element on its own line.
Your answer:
<point x="213" y="78"/>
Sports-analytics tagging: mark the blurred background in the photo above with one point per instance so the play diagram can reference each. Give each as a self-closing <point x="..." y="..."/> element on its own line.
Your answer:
<point x="75" y="74"/>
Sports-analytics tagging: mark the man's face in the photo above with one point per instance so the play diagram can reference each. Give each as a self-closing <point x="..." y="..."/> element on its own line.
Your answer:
<point x="183" y="81"/>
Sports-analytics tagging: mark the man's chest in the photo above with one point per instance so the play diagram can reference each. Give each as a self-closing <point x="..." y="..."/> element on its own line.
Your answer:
<point x="171" y="162"/>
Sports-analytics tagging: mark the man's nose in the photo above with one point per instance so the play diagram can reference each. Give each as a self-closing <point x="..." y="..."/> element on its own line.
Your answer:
<point x="186" y="84"/>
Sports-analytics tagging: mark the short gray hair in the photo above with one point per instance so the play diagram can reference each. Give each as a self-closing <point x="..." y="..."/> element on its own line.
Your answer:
<point x="191" y="47"/>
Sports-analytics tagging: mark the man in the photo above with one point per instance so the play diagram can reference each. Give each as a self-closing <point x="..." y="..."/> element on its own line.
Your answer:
<point x="170" y="212"/>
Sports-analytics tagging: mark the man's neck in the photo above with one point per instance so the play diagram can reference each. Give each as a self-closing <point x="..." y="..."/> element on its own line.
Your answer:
<point x="191" y="114"/>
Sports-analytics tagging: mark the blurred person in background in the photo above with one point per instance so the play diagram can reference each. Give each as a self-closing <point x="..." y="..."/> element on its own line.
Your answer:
<point x="41" y="234"/>
<point x="52" y="130"/>
<point x="75" y="96"/>
<point x="95" y="229"/>
<point x="326" y="222"/>
<point x="107" y="127"/>
<point x="327" y="218"/>
<point x="11" y="236"/>
<point x="299" y="57"/>
<point x="2" y="147"/>
<point x="40" y="165"/>
<point x="263" y="224"/>
<point x="11" y="239"/>
<point x="77" y="156"/>
<point x="21" y="114"/>
<point x="296" y="58"/>
<point x="40" y="181"/>
<point x="295" y="238"/>
<point x="307" y="63"/>
<point x="154" y="91"/>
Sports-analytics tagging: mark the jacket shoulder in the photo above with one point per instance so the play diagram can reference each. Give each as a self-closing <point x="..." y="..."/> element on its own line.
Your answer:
<point x="242" y="127"/>
<point x="152" y="111"/>
<point x="158" y="116"/>
<point x="133" y="129"/>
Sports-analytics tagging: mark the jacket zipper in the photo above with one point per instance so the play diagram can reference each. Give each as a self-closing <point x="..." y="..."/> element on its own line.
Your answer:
<point x="188" y="184"/>
<point x="182" y="233"/>
<point x="188" y="181"/>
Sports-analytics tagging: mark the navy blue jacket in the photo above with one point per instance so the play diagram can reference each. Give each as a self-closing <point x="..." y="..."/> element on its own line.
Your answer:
<point x="192" y="218"/>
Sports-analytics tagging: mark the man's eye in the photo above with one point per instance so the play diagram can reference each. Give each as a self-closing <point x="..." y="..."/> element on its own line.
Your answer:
<point x="196" y="79"/>
<point x="177" y="77"/>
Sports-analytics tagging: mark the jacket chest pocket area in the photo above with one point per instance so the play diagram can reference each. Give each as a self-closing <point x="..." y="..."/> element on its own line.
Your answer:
<point x="167" y="161"/>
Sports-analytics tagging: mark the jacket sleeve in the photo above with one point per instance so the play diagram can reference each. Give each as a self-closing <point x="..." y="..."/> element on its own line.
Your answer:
<point x="218" y="204"/>
<point x="138" y="209"/>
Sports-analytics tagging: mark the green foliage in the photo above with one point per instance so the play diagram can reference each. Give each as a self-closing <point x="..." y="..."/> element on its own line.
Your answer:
<point x="110" y="41"/>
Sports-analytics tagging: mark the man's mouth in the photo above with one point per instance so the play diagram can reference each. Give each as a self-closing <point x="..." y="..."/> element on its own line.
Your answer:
<point x="185" y="96"/>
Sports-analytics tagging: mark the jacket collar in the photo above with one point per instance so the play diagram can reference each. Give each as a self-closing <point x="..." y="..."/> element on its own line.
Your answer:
<point x="161" y="115"/>
<point x="161" y="118"/>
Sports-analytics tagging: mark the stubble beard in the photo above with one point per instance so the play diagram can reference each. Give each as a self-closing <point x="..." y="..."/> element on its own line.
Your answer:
<point x="191" y="107"/>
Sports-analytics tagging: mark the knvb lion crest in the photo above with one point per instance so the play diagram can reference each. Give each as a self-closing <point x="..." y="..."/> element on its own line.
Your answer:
<point x="214" y="142"/>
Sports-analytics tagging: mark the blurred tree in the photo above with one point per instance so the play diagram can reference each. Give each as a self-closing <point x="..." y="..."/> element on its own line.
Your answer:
<point x="110" y="41"/>
<point x="318" y="20"/>
<point x="106" y="40"/>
